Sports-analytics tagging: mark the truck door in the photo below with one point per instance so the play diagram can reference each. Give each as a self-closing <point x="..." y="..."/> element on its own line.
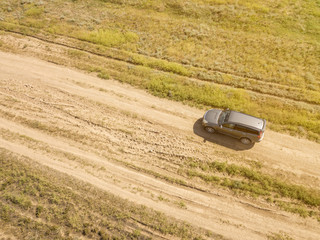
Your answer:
<point x="227" y="128"/>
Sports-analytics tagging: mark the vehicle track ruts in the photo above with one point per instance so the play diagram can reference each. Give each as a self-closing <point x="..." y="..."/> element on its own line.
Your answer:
<point x="93" y="129"/>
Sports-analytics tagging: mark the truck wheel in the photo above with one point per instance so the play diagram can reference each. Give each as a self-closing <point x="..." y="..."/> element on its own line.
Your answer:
<point x="209" y="129"/>
<point x="245" y="141"/>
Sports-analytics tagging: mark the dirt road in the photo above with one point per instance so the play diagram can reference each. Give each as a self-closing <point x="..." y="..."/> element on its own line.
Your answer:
<point x="117" y="137"/>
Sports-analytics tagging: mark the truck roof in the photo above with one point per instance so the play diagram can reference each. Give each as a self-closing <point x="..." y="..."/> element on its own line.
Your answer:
<point x="247" y="120"/>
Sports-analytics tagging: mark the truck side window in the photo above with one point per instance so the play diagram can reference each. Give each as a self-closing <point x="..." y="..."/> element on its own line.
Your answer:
<point x="246" y="130"/>
<point x="228" y="125"/>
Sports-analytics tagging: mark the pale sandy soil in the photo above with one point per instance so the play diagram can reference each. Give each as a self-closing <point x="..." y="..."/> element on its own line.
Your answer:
<point x="92" y="129"/>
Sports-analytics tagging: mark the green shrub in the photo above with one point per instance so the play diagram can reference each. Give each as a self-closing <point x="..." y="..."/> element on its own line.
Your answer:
<point x="19" y="200"/>
<point x="6" y="212"/>
<point x="108" y="37"/>
<point x="103" y="75"/>
<point x="39" y="210"/>
<point x="34" y="12"/>
<point x="162" y="65"/>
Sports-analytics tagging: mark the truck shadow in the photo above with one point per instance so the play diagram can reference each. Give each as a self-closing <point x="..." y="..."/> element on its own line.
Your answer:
<point x="218" y="138"/>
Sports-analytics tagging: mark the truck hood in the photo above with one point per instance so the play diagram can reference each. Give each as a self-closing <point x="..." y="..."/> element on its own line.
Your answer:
<point x="212" y="116"/>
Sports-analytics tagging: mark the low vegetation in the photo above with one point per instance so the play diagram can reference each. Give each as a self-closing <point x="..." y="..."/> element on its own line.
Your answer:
<point x="36" y="202"/>
<point x="241" y="179"/>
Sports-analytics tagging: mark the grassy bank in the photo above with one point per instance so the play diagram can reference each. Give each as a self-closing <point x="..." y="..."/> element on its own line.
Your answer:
<point x="276" y="42"/>
<point x="242" y="179"/>
<point x="40" y="202"/>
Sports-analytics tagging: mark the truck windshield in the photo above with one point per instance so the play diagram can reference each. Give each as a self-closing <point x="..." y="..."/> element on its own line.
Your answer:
<point x="224" y="116"/>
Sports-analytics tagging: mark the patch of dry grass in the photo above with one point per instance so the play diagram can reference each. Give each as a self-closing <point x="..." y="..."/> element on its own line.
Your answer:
<point x="36" y="201"/>
<point x="263" y="46"/>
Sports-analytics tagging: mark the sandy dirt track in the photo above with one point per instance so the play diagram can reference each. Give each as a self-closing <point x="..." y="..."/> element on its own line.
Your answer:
<point x="92" y="129"/>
